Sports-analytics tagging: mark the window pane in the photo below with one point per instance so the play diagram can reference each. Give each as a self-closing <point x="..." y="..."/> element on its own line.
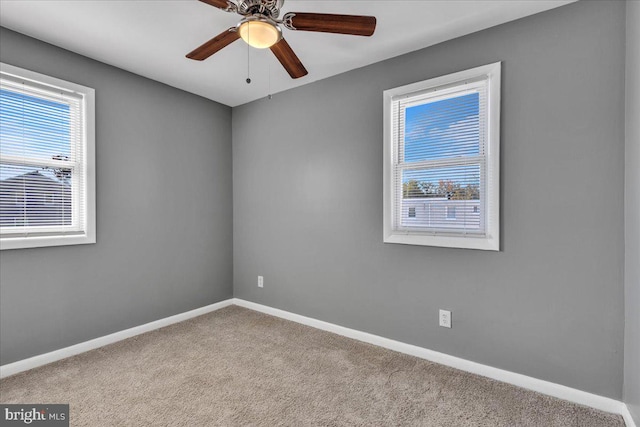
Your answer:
<point x="34" y="127"/>
<point x="442" y="129"/>
<point x="34" y="196"/>
<point x="441" y="198"/>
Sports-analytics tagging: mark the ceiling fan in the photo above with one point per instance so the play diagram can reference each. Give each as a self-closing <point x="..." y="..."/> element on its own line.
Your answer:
<point x="260" y="28"/>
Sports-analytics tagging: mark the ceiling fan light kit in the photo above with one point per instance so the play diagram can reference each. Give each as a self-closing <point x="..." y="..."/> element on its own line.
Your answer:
<point x="259" y="32"/>
<point x="260" y="28"/>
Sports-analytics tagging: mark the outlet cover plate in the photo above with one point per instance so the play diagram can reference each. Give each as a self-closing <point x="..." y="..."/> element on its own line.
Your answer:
<point x="445" y="318"/>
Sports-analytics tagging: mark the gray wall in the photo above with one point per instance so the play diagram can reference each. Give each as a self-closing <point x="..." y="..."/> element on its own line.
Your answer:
<point x="632" y="215"/>
<point x="164" y="214"/>
<point x="307" y="171"/>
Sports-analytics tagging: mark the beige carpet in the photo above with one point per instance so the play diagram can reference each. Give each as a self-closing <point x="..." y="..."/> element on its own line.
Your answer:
<point x="237" y="367"/>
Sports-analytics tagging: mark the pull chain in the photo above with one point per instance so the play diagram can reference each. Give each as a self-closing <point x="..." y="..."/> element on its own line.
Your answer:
<point x="248" y="56"/>
<point x="269" y="96"/>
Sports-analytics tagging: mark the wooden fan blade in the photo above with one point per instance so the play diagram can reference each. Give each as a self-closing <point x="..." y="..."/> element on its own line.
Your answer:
<point x="215" y="44"/>
<point x="220" y="4"/>
<point x="288" y="59"/>
<point x="329" y="23"/>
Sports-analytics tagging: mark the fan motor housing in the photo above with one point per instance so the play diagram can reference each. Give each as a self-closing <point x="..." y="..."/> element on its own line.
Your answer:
<point x="270" y="8"/>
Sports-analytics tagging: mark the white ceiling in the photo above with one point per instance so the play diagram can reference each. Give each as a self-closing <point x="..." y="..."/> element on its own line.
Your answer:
<point x="151" y="38"/>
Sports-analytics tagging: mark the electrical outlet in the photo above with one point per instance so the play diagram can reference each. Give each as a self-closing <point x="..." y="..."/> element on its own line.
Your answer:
<point x="260" y="282"/>
<point x="445" y="318"/>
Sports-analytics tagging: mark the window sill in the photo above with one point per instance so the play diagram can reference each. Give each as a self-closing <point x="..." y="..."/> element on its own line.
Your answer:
<point x="45" y="241"/>
<point x="481" y="243"/>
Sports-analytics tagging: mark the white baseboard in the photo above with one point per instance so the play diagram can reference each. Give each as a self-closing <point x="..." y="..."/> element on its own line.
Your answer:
<point x="628" y="419"/>
<point x="63" y="353"/>
<point x="541" y="386"/>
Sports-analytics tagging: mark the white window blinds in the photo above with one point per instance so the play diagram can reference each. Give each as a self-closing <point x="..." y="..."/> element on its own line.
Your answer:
<point x="439" y="170"/>
<point x="43" y="160"/>
<point x="441" y="160"/>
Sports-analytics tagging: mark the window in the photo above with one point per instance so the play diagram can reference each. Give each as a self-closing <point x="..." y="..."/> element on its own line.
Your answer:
<point x="441" y="152"/>
<point x="47" y="178"/>
<point x="451" y="212"/>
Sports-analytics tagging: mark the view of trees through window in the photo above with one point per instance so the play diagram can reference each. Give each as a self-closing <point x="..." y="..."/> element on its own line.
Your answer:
<point x="443" y="189"/>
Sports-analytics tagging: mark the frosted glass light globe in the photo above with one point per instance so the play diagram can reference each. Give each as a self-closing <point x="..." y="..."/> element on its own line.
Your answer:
<point x="259" y="34"/>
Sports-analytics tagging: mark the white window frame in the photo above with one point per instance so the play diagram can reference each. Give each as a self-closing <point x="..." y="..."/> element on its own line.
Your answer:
<point x="490" y="240"/>
<point x="55" y="238"/>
